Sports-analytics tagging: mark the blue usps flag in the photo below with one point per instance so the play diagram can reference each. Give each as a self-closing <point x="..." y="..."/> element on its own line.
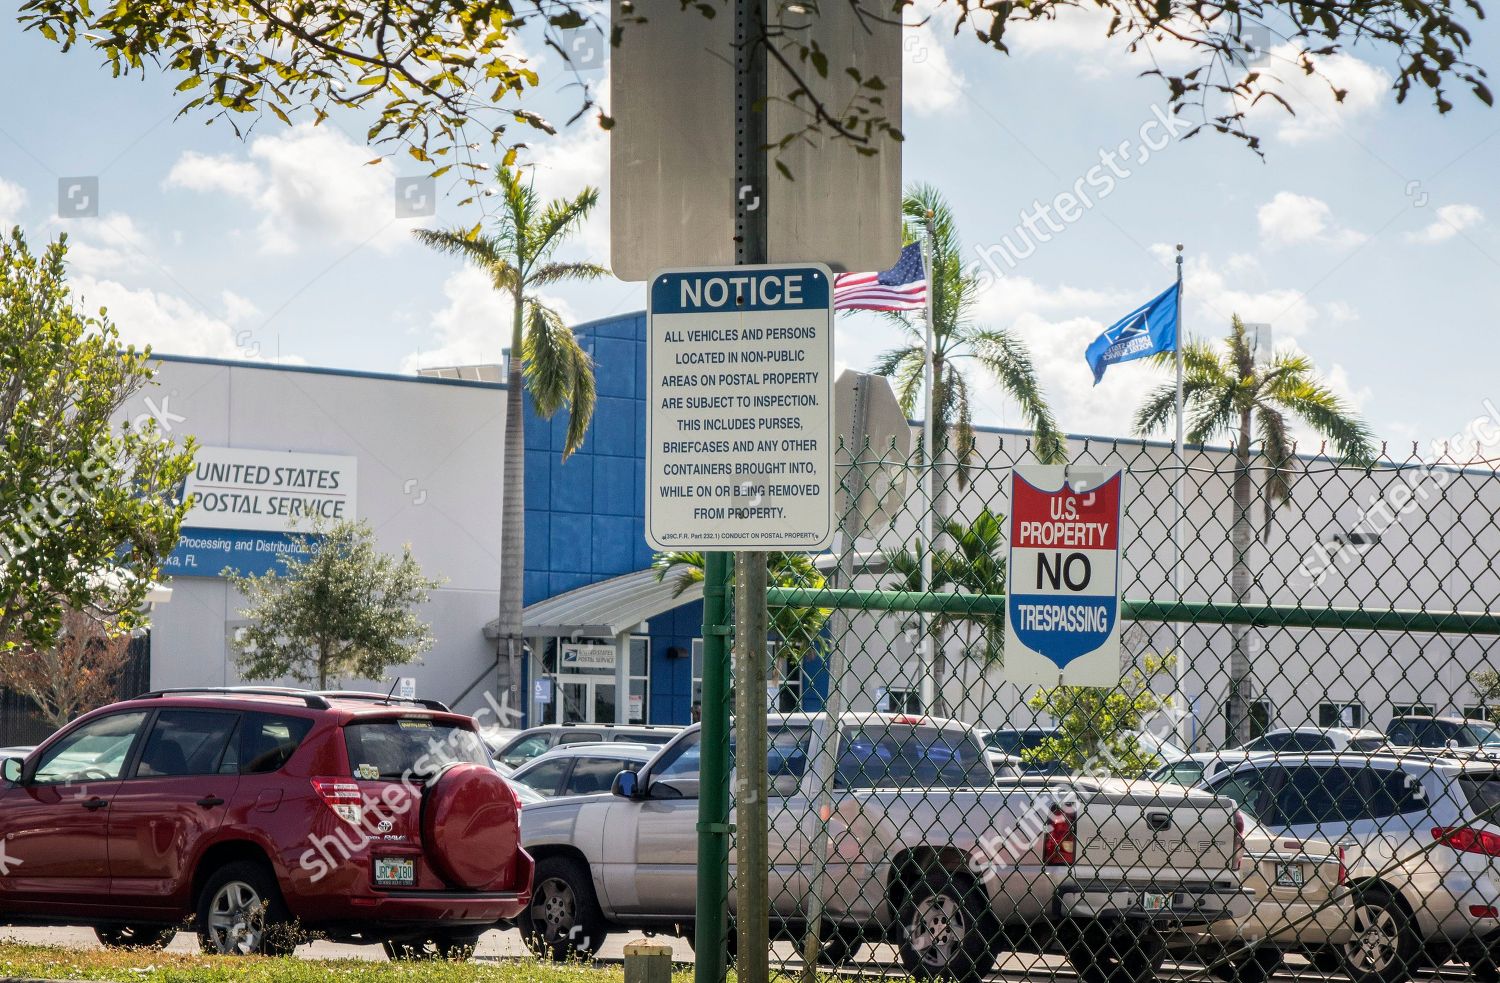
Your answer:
<point x="1148" y="329"/>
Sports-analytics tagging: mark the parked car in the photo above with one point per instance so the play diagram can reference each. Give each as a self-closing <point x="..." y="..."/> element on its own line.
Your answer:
<point x="359" y="816"/>
<point x="535" y="741"/>
<point x="1310" y="740"/>
<point x="581" y="769"/>
<point x="923" y="851"/>
<point x="1420" y="836"/>
<point x="1458" y="734"/>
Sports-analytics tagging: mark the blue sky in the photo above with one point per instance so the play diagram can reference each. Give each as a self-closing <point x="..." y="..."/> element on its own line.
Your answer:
<point x="1367" y="236"/>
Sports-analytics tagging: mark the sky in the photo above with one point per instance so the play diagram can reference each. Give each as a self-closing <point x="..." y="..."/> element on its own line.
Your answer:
<point x="1367" y="235"/>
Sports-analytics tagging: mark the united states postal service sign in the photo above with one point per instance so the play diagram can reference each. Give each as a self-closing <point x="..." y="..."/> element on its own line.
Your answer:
<point x="739" y="408"/>
<point x="1062" y="614"/>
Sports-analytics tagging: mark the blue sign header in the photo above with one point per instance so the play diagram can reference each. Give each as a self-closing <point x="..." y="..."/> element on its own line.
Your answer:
<point x="742" y="288"/>
<point x="207" y="552"/>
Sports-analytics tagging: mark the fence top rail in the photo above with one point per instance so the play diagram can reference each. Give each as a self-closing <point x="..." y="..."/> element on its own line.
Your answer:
<point x="1195" y="612"/>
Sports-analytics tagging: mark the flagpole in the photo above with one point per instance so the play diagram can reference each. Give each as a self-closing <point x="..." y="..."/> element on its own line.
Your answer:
<point x="1179" y="659"/>
<point x="928" y="685"/>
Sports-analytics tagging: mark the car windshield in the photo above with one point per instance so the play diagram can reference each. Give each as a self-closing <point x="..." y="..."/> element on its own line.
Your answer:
<point x="415" y="747"/>
<point x="1013" y="742"/>
<point x="1483" y="734"/>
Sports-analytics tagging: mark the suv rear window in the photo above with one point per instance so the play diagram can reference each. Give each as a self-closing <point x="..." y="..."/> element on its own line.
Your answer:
<point x="1483" y="793"/>
<point x="902" y="757"/>
<point x="410" y="746"/>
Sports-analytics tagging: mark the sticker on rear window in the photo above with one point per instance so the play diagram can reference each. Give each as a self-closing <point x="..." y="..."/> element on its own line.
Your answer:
<point x="368" y="772"/>
<point x="414" y="723"/>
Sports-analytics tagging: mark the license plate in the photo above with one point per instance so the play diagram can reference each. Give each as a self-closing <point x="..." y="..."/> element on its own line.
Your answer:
<point x="389" y="870"/>
<point x="1156" y="902"/>
<point x="1288" y="875"/>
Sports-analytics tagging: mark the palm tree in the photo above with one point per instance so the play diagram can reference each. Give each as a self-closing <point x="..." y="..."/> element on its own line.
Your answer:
<point x="975" y="564"/>
<point x="519" y="256"/>
<point x="1225" y="391"/>
<point x="957" y="339"/>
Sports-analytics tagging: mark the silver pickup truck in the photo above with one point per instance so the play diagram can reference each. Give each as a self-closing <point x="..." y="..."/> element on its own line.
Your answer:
<point x="923" y="846"/>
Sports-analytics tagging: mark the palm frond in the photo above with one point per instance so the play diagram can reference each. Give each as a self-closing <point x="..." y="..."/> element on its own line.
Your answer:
<point x="489" y="253"/>
<point x="551" y="273"/>
<point x="685" y="566"/>
<point x="559" y="220"/>
<point x="1276" y="445"/>
<point x="1009" y="361"/>
<point x="907" y="366"/>
<point x="1322" y="409"/>
<point x="558" y="372"/>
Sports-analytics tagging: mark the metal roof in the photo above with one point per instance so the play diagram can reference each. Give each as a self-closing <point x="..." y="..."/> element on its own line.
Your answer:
<point x="616" y="606"/>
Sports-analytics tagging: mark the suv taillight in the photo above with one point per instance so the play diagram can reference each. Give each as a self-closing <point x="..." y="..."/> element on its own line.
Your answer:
<point x="1239" y="839"/>
<point x="1343" y="869"/>
<point x="1060" y="843"/>
<point x="1466" y="839"/>
<point x="342" y="796"/>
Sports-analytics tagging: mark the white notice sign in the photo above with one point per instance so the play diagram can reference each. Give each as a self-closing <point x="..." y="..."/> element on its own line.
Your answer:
<point x="739" y="431"/>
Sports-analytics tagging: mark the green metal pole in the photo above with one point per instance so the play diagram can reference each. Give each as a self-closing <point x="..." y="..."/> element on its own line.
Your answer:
<point x="710" y="964"/>
<point x="1202" y="612"/>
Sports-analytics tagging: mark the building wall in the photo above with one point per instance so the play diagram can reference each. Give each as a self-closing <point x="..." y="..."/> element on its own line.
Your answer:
<point x="429" y="471"/>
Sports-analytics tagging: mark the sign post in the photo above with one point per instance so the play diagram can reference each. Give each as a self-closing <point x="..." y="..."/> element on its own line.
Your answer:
<point x="1062" y="612"/>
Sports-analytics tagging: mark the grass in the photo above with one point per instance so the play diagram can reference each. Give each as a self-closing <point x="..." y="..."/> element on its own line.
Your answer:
<point x="145" y="966"/>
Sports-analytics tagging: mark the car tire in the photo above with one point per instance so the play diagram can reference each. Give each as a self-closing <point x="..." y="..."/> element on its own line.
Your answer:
<point x="240" y="912"/>
<point x="1256" y="966"/>
<point x="445" y="946"/>
<point x="731" y="940"/>
<point x="1486" y="968"/>
<point x="563" y="920"/>
<point x="1384" y="947"/>
<point x="838" y="945"/>
<point x="132" y="936"/>
<point x="1128" y="955"/>
<point x="944" y="929"/>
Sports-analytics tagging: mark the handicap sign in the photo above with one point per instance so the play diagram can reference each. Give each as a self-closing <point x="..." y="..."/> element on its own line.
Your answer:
<point x="1062" y="612"/>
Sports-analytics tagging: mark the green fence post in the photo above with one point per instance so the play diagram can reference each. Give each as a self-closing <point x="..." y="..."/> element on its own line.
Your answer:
<point x="713" y="786"/>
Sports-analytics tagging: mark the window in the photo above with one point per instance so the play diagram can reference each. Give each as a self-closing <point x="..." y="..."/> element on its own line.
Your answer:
<point x="1260" y="721"/>
<point x="1251" y="789"/>
<point x="1478" y="711"/>
<point x="1410" y="710"/>
<point x="1483" y="793"/>
<point x="186" y="742"/>
<point x="592" y="775"/>
<point x="1341" y="715"/>
<point x="678" y="769"/>
<point x="903" y="756"/>
<point x="545" y="776"/>
<point x="267" y="741"/>
<point x="409" y="747"/>
<point x="1291" y="742"/>
<point x="94" y="752"/>
<point x="1386" y="792"/>
<point x="898" y="701"/>
<point x="1182" y="773"/>
<point x="581" y="737"/>
<point x="1313" y="796"/>
<point x="523" y="749"/>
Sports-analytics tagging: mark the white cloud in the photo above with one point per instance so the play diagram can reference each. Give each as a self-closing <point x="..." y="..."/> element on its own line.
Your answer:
<point x="473" y="327"/>
<point x="309" y="185"/>
<point x="1319" y="114"/>
<point x="930" y="83"/>
<point x="1081" y="35"/>
<point x="1450" y="221"/>
<point x="562" y="167"/>
<point x="169" y="324"/>
<point x="1292" y="219"/>
<point x="12" y="200"/>
<point x="110" y="244"/>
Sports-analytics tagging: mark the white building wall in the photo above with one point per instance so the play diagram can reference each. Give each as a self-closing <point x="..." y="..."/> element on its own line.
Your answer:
<point x="1438" y="555"/>
<point x="429" y="470"/>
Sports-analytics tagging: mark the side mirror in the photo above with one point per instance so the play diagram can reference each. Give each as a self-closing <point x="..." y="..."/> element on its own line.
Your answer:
<point x="626" y="785"/>
<point x="12" y="769"/>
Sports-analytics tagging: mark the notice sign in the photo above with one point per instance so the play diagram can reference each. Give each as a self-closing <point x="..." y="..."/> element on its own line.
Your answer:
<point x="1062" y="613"/>
<point x="739" y="431"/>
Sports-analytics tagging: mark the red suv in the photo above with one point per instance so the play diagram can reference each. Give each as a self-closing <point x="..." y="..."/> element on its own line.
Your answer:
<point x="258" y="811"/>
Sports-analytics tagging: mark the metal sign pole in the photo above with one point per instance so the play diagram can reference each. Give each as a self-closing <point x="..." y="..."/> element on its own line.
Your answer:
<point x="713" y="788"/>
<point x="752" y="866"/>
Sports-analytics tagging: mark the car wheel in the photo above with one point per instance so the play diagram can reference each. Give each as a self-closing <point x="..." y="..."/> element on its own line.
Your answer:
<point x="1486" y="968"/>
<point x="240" y="913"/>
<point x="1384" y="946"/>
<point x="135" y="936"/>
<point x="944" y="929"/>
<point x="731" y="940"/>
<point x="839" y="945"/>
<point x="563" y="920"/>
<point x="447" y="946"/>
<point x="1127" y="955"/>
<point x="1257" y="966"/>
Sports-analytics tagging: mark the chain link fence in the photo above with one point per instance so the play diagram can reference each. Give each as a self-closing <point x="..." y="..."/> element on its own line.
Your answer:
<point x="1295" y="774"/>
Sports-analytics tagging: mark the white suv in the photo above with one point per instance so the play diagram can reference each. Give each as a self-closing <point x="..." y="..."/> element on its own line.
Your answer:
<point x="535" y="741"/>
<point x="1421" y="836"/>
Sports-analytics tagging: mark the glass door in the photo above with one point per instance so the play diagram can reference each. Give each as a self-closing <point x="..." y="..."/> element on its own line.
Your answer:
<point x="587" y="701"/>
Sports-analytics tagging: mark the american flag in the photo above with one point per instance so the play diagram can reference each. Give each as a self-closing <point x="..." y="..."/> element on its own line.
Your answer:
<point x="903" y="287"/>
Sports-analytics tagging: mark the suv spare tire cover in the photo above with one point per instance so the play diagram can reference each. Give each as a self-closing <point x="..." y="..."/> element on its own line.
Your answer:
<point x="471" y="828"/>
